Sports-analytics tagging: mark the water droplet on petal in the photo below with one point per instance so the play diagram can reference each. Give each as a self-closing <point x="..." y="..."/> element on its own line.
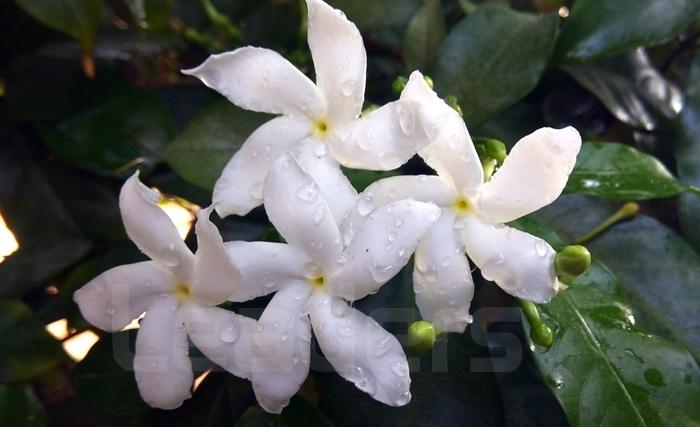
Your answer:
<point x="229" y="331"/>
<point x="169" y="256"/>
<point x="365" y="205"/>
<point x="403" y="398"/>
<point x="320" y="150"/>
<point x="491" y="267"/>
<point x="406" y="121"/>
<point x="110" y="309"/>
<point x="347" y="87"/>
<point x="256" y="191"/>
<point x="346" y="331"/>
<point x="308" y="192"/>
<point x="319" y="214"/>
<point x="541" y="248"/>
<point x="339" y="308"/>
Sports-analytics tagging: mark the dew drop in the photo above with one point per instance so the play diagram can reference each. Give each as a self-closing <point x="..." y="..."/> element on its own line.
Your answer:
<point x="541" y="248"/>
<point x="339" y="308"/>
<point x="400" y="369"/>
<point x="347" y="87"/>
<point x="406" y="122"/>
<point x="111" y="309"/>
<point x="403" y="398"/>
<point x="169" y="256"/>
<point x="320" y="150"/>
<point x="256" y="191"/>
<point x="308" y="192"/>
<point x="346" y="331"/>
<point x="229" y="331"/>
<point x="284" y="336"/>
<point x="365" y="205"/>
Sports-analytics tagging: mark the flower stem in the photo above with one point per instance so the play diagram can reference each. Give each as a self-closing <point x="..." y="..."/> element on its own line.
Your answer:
<point x="693" y="189"/>
<point x="627" y="210"/>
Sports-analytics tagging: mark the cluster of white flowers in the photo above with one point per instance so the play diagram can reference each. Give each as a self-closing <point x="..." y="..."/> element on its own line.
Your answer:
<point x="341" y="246"/>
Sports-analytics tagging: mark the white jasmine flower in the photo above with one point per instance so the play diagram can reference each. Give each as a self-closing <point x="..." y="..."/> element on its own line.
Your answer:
<point x="473" y="213"/>
<point x="177" y="290"/>
<point x="320" y="122"/>
<point x="313" y="275"/>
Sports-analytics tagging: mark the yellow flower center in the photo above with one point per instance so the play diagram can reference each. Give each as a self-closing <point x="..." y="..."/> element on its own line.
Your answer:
<point x="182" y="292"/>
<point x="317" y="282"/>
<point x="462" y="206"/>
<point x="321" y="128"/>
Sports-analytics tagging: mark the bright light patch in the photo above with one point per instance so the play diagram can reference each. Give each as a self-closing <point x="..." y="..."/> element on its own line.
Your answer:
<point x="8" y="243"/>
<point x="79" y="345"/>
<point x="180" y="211"/>
<point x="199" y="379"/>
<point x="563" y="12"/>
<point x="134" y="324"/>
<point x="59" y="329"/>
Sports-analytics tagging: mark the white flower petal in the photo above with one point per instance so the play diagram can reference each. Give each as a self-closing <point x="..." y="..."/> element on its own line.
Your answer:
<point x="452" y="154"/>
<point x="340" y="195"/>
<point x="114" y="298"/>
<point x="261" y="80"/>
<point x="339" y="58"/>
<point x="281" y="347"/>
<point x="297" y="208"/>
<point x="422" y="188"/>
<point x="382" y="245"/>
<point x="264" y="267"/>
<point x="161" y="362"/>
<point x="377" y="141"/>
<point x="223" y="336"/>
<point x="442" y="280"/>
<point x="520" y="263"/>
<point x="360" y="350"/>
<point x="240" y="187"/>
<point x="215" y="277"/>
<point x="150" y="228"/>
<point x="533" y="175"/>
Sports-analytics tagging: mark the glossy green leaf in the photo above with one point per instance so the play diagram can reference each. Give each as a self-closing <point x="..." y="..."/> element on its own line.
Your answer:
<point x="688" y="157"/>
<point x="26" y="349"/>
<point x="201" y="151"/>
<point x="49" y="240"/>
<point x="597" y="28"/>
<point x="105" y="380"/>
<point x="603" y="369"/>
<point x="76" y="18"/>
<point x="424" y="35"/>
<point x="655" y="267"/>
<point x="493" y="58"/>
<point x="299" y="412"/>
<point x="632" y="89"/>
<point x="620" y="172"/>
<point x="386" y="20"/>
<point x="114" y="137"/>
<point x="361" y="179"/>
<point x="20" y="407"/>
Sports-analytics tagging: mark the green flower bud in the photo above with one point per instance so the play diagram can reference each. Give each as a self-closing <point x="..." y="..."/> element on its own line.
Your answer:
<point x="541" y="334"/>
<point x="496" y="150"/>
<point x="398" y="85"/>
<point x="428" y="80"/>
<point x="573" y="261"/>
<point x="422" y="335"/>
<point x="452" y="101"/>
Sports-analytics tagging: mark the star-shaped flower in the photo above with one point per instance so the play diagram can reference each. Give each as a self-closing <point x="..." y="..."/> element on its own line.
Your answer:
<point x="320" y="122"/>
<point x="473" y="214"/>
<point x="313" y="275"/>
<point x="178" y="291"/>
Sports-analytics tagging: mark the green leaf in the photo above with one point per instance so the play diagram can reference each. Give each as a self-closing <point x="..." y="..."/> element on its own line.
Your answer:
<point x="19" y="406"/>
<point x="361" y="179"/>
<point x="26" y="349"/>
<point x="688" y="157"/>
<point x="115" y="136"/>
<point x="105" y="380"/>
<point x="386" y="19"/>
<point x="655" y="267"/>
<point x="493" y="58"/>
<point x="49" y="241"/>
<point x="632" y="89"/>
<point x="597" y="28"/>
<point x="620" y="172"/>
<point x="76" y="18"/>
<point x="424" y="35"/>
<point x="603" y="369"/>
<point x="299" y="412"/>
<point x="200" y="153"/>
